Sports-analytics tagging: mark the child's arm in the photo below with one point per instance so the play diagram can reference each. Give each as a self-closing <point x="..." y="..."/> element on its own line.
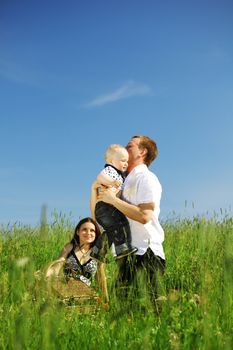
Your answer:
<point x="106" y="180"/>
<point x="103" y="179"/>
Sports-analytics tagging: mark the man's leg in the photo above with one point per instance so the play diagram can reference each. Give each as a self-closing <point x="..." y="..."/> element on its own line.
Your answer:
<point x="125" y="279"/>
<point x="154" y="268"/>
<point x="138" y="276"/>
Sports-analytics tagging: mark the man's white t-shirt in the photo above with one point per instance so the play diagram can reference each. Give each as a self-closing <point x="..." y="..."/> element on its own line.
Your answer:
<point x="142" y="186"/>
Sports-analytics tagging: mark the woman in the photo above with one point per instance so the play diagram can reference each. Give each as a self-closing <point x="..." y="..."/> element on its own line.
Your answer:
<point x="75" y="257"/>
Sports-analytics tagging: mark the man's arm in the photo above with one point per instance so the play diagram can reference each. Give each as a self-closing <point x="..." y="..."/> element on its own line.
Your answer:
<point x="93" y="198"/>
<point x="141" y="213"/>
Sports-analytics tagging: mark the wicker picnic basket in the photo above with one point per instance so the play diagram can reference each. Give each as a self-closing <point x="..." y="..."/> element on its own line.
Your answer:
<point x="76" y="294"/>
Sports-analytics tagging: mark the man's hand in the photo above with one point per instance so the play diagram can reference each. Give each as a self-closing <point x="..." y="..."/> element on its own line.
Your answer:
<point x="95" y="185"/>
<point x="117" y="183"/>
<point x="141" y="212"/>
<point x="107" y="196"/>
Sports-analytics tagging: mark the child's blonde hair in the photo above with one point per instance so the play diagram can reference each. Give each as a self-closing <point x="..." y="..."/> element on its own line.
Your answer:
<point x="112" y="151"/>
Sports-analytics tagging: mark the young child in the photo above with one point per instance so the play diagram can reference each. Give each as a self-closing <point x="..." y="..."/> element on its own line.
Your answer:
<point x="115" y="224"/>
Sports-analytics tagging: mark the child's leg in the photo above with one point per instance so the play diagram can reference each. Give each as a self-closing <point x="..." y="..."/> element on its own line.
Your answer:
<point x="121" y="235"/>
<point x="100" y="248"/>
<point x="117" y="228"/>
<point x="103" y="214"/>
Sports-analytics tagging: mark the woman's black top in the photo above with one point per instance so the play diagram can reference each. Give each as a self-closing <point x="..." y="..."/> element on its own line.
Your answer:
<point x="82" y="272"/>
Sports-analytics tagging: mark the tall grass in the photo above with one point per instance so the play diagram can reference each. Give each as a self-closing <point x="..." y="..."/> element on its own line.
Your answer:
<point x="195" y="304"/>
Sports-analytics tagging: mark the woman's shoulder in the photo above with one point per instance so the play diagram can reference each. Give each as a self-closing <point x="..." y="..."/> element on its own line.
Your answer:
<point x="69" y="246"/>
<point x="66" y="250"/>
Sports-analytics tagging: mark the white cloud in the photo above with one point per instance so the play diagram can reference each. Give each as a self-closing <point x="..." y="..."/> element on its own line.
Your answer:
<point x="11" y="72"/>
<point x="214" y="54"/>
<point x="220" y="54"/>
<point x="127" y="90"/>
<point x="17" y="73"/>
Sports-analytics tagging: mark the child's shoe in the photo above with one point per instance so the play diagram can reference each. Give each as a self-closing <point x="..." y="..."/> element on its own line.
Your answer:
<point x="124" y="250"/>
<point x="96" y="255"/>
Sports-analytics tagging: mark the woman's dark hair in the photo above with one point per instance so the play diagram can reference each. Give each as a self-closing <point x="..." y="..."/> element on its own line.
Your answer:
<point x="75" y="239"/>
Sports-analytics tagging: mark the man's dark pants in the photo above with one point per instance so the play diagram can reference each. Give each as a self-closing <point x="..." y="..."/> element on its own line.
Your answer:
<point x="139" y="272"/>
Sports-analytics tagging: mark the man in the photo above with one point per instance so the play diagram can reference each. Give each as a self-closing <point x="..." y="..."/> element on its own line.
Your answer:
<point x="140" y="202"/>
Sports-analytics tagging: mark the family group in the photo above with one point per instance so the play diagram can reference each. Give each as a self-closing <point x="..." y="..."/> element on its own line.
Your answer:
<point x="125" y="207"/>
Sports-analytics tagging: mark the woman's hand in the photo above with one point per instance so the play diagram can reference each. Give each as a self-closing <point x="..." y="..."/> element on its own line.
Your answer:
<point x="104" y="305"/>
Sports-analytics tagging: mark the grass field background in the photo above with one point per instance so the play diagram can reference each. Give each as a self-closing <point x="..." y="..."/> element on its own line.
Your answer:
<point x="195" y="307"/>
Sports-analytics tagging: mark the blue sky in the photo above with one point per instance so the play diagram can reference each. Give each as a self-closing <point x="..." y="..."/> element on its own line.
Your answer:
<point x="77" y="76"/>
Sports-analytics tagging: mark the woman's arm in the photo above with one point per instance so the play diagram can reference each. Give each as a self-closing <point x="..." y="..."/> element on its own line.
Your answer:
<point x="55" y="267"/>
<point x="101" y="280"/>
<point x="65" y="251"/>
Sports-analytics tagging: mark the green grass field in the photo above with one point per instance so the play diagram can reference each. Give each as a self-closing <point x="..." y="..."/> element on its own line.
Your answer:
<point x="195" y="304"/>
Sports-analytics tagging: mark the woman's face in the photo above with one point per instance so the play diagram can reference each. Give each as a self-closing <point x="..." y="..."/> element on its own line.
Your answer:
<point x="86" y="233"/>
